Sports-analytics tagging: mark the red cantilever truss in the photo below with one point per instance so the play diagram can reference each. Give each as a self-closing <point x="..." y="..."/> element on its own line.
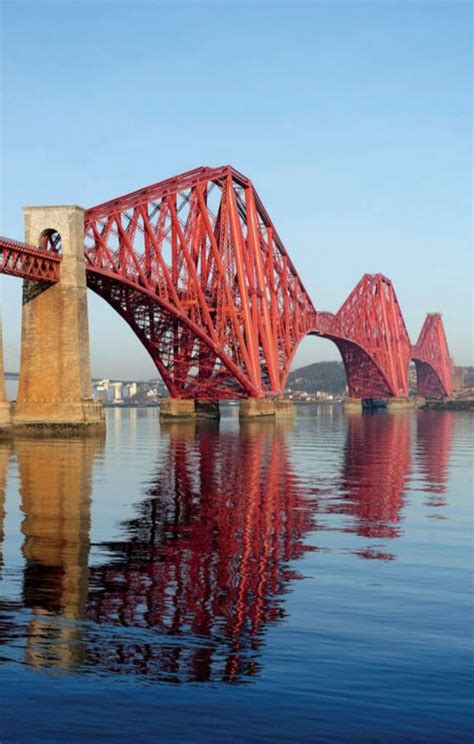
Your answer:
<point x="370" y="333"/>
<point x="434" y="367"/>
<point x="28" y="262"/>
<point x="195" y="266"/>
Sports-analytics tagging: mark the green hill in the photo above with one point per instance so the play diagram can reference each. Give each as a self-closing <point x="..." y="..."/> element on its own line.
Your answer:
<point x="327" y="377"/>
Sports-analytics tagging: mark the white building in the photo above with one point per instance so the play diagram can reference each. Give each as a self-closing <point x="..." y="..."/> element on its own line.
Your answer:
<point x="131" y="389"/>
<point x="117" y="389"/>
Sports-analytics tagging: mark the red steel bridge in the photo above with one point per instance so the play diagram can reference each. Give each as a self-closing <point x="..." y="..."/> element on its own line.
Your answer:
<point x="196" y="268"/>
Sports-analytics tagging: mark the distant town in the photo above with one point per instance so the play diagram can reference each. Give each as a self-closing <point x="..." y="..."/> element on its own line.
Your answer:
<point x="320" y="382"/>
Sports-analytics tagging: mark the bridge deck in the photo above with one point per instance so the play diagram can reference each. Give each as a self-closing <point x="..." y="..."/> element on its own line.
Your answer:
<point x="28" y="261"/>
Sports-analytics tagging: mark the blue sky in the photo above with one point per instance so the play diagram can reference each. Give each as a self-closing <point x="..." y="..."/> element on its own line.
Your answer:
<point x="353" y="120"/>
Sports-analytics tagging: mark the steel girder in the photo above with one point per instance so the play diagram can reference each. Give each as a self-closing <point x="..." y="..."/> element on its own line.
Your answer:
<point x="28" y="262"/>
<point x="226" y="308"/>
<point x="374" y="341"/>
<point x="195" y="266"/>
<point x="229" y="306"/>
<point x="434" y="366"/>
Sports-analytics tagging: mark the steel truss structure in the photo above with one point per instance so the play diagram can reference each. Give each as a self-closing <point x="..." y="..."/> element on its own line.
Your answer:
<point x="28" y="262"/>
<point x="196" y="268"/>
<point x="434" y="366"/>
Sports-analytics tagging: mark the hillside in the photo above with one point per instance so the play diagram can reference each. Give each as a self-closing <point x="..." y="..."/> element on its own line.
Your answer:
<point x="468" y="377"/>
<point x="327" y="377"/>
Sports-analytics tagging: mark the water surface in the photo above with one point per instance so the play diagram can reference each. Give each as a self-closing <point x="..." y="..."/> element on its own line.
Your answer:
<point x="296" y="581"/>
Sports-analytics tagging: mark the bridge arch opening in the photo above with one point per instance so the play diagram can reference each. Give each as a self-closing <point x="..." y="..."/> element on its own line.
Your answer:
<point x="364" y="378"/>
<point x="328" y="377"/>
<point x="428" y="382"/>
<point x="50" y="240"/>
<point x="185" y="360"/>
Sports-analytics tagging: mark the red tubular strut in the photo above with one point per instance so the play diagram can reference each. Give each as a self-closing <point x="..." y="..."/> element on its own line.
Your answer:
<point x="195" y="266"/>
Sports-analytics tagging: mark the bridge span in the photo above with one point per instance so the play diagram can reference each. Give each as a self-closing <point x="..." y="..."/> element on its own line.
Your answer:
<point x="195" y="266"/>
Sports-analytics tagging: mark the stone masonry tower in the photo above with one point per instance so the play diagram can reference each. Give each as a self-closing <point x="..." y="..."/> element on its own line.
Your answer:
<point x="55" y="386"/>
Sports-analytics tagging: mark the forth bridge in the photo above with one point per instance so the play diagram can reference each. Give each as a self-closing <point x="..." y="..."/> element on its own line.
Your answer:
<point x="195" y="266"/>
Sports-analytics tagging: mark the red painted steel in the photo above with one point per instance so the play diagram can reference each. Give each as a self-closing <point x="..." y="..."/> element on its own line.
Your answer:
<point x="195" y="266"/>
<point x="370" y="333"/>
<point x="28" y="262"/>
<point x="434" y="366"/>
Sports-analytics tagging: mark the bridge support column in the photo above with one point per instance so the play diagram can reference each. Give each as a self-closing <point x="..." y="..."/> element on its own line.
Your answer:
<point x="5" y="412"/>
<point x="284" y="408"/>
<point x="401" y="404"/>
<point x="352" y="404"/>
<point x="55" y="389"/>
<point x="172" y="409"/>
<point x="256" y="408"/>
<point x="207" y="409"/>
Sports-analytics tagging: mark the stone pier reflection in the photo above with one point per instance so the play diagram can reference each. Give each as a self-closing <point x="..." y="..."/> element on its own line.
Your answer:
<point x="55" y="489"/>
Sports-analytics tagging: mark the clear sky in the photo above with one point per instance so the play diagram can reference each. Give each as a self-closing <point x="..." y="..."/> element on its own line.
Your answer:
<point x="353" y="120"/>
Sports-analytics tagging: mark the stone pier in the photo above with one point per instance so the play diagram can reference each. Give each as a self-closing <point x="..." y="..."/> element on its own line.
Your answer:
<point x="55" y="389"/>
<point x="284" y="408"/>
<point x="401" y="404"/>
<point x="207" y="409"/>
<point x="5" y="413"/>
<point x="256" y="408"/>
<point x="173" y="409"/>
<point x="352" y="404"/>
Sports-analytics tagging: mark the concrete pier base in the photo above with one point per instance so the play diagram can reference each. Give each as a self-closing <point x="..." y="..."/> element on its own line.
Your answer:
<point x="207" y="409"/>
<point x="400" y="404"/>
<point x="284" y="408"/>
<point x="55" y="388"/>
<point x="256" y="408"/>
<point x="5" y="416"/>
<point x="174" y="409"/>
<point x="58" y="416"/>
<point x="352" y="404"/>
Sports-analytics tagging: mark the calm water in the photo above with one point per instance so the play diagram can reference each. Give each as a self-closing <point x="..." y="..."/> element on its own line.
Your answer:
<point x="290" y="582"/>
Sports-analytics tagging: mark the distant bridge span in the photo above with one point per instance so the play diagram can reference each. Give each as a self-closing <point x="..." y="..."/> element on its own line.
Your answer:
<point x="195" y="266"/>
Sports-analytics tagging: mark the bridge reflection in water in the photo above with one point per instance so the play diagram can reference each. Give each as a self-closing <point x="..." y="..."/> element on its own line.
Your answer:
<point x="203" y="566"/>
<point x="206" y="556"/>
<point x="435" y="432"/>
